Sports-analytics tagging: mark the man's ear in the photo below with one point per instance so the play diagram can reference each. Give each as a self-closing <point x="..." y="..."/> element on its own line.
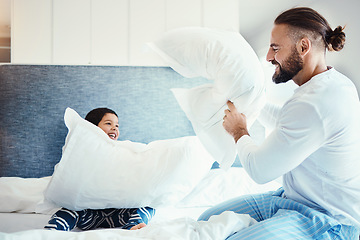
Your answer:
<point x="304" y="46"/>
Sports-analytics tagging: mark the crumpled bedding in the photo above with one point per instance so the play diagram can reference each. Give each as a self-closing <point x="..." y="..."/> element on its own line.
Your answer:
<point x="25" y="195"/>
<point x="218" y="227"/>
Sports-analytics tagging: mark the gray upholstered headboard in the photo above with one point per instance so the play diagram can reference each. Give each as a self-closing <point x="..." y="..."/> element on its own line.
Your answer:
<point x="33" y="99"/>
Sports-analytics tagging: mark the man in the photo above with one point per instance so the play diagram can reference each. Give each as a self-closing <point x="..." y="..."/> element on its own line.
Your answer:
<point x="315" y="144"/>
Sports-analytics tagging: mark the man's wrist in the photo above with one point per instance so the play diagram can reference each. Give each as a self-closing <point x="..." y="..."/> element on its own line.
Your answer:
<point x="240" y="133"/>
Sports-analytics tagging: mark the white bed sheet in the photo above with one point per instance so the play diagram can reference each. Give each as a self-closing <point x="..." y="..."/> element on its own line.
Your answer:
<point x="16" y="222"/>
<point x="20" y="198"/>
<point x="218" y="227"/>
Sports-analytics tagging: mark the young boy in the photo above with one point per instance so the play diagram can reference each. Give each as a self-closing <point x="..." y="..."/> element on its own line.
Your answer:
<point x="125" y="218"/>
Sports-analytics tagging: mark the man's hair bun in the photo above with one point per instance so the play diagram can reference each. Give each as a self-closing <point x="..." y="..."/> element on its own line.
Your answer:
<point x="336" y="39"/>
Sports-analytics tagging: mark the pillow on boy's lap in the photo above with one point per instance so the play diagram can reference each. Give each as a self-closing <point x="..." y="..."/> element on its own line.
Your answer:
<point x="225" y="58"/>
<point x="96" y="172"/>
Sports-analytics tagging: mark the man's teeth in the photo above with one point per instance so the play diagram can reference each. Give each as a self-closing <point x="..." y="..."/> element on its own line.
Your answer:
<point x="112" y="135"/>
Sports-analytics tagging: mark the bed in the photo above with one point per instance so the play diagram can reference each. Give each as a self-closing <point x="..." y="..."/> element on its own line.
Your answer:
<point x="33" y="101"/>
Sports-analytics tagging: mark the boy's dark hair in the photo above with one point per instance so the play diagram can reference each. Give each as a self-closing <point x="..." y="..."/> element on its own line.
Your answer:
<point x="95" y="115"/>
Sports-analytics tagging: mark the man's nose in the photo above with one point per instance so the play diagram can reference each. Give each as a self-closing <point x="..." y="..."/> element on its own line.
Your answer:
<point x="269" y="56"/>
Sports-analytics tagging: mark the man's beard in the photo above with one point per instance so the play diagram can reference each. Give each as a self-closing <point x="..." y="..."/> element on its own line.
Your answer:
<point x="291" y="66"/>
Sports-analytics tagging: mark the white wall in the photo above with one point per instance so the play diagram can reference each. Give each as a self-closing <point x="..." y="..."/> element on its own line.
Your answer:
<point x="31" y="41"/>
<point x="107" y="32"/>
<point x="113" y="32"/>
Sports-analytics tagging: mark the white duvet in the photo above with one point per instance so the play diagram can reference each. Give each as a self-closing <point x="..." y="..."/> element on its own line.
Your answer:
<point x="25" y="196"/>
<point x="218" y="227"/>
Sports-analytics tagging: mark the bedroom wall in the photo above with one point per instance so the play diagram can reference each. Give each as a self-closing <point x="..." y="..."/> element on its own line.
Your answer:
<point x="106" y="32"/>
<point x="113" y="32"/>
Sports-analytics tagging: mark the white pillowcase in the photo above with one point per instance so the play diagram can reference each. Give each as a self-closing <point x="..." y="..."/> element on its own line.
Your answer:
<point x="225" y="58"/>
<point x="96" y="172"/>
<point x="21" y="194"/>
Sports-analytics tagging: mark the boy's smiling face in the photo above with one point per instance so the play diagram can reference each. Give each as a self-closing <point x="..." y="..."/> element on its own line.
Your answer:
<point x="110" y="125"/>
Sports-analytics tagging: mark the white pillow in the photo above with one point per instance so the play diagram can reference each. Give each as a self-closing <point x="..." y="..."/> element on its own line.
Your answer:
<point x="225" y="58"/>
<point x="21" y="194"/>
<point x="96" y="172"/>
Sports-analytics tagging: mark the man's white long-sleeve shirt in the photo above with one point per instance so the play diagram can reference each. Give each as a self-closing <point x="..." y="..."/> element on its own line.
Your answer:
<point x="315" y="146"/>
